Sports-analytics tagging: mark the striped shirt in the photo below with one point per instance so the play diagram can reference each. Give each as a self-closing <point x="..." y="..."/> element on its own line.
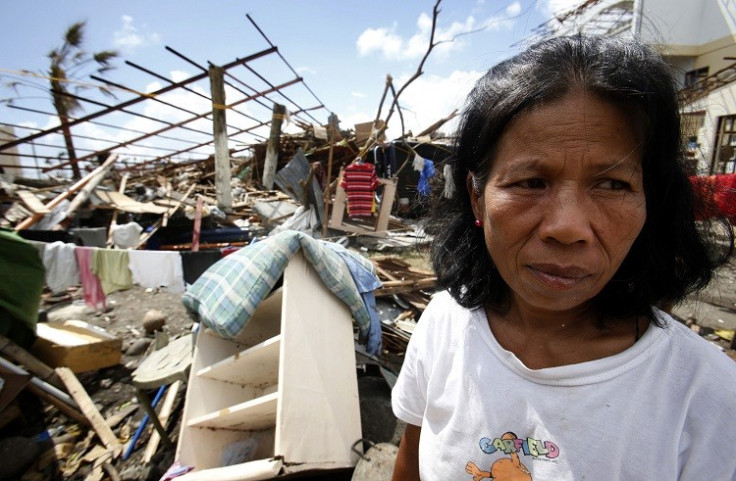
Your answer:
<point x="360" y="181"/>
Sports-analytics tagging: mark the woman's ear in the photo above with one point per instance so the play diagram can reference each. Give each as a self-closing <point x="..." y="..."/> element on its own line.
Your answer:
<point x="475" y="196"/>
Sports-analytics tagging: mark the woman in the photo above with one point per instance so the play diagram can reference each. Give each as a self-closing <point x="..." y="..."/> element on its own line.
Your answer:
<point x="544" y="358"/>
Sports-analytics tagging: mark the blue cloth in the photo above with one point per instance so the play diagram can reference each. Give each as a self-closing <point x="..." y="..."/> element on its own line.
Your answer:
<point x="366" y="282"/>
<point x="427" y="172"/>
<point x="225" y="297"/>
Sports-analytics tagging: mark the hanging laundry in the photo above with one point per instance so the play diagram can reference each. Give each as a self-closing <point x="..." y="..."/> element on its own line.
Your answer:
<point x="418" y="162"/>
<point x="61" y="266"/>
<point x="385" y="160"/>
<point x="157" y="269"/>
<point x="94" y="296"/>
<point x="359" y="180"/>
<point x="449" y="182"/>
<point x="427" y="172"/>
<point x="126" y="236"/>
<point x="111" y="267"/>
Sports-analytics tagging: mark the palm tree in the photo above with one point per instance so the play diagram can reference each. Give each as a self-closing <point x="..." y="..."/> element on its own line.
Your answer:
<point x="67" y="64"/>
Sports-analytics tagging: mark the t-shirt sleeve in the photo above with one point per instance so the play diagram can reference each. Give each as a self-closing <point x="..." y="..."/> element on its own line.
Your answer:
<point x="409" y="395"/>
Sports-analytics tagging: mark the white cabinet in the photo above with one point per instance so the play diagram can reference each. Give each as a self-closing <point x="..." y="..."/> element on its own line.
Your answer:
<point x="283" y="396"/>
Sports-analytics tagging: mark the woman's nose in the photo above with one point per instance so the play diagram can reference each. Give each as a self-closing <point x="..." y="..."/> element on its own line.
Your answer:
<point x="567" y="218"/>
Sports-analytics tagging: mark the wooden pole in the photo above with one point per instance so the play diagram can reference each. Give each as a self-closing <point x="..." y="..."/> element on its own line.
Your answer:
<point x="219" y="127"/>
<point x="272" y="146"/>
<point x="197" y="224"/>
<point x="332" y="125"/>
<point x="114" y="220"/>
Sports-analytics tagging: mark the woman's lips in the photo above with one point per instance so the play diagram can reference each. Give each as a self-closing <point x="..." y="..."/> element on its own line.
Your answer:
<point x="559" y="277"/>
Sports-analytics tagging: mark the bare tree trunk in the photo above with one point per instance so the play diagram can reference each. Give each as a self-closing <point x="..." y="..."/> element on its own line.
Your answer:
<point x="68" y="141"/>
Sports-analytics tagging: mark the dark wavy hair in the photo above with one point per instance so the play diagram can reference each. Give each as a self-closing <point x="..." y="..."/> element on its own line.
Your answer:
<point x="672" y="256"/>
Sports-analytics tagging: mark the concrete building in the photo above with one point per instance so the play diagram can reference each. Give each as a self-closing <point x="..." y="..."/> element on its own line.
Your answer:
<point x="698" y="38"/>
<point x="9" y="162"/>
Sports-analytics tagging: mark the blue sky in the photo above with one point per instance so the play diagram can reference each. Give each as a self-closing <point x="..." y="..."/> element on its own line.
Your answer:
<point x="342" y="49"/>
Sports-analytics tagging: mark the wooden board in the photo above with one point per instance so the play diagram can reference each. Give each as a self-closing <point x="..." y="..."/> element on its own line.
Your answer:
<point x="77" y="347"/>
<point x="33" y="202"/>
<point x="251" y="415"/>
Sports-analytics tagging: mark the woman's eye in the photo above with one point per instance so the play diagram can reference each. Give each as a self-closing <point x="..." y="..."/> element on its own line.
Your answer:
<point x="613" y="184"/>
<point x="532" y="184"/>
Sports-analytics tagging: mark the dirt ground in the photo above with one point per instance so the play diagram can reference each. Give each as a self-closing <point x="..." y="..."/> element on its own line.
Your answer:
<point x="111" y="390"/>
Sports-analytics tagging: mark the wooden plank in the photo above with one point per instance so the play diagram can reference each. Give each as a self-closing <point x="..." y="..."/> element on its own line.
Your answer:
<point x="257" y="366"/>
<point x="33" y="202"/>
<point x="75" y="347"/>
<point x="253" y="415"/>
<point x="13" y="351"/>
<point x="89" y="410"/>
<point x="163" y="417"/>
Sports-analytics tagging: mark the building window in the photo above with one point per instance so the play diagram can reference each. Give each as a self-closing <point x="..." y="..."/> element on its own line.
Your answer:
<point x="694" y="76"/>
<point x="724" y="155"/>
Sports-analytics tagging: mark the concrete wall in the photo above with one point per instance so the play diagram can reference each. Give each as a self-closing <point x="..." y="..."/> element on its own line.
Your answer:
<point x="6" y="135"/>
<point x="687" y="24"/>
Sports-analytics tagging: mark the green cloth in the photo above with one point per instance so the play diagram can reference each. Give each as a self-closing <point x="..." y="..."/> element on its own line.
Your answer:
<point x="112" y="267"/>
<point x="21" y="284"/>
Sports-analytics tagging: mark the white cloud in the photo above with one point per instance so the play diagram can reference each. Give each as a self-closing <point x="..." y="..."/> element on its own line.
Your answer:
<point x="392" y="46"/>
<point x="379" y="40"/>
<point x="129" y="39"/>
<point x="360" y="95"/>
<point x="305" y="69"/>
<point x="447" y="94"/>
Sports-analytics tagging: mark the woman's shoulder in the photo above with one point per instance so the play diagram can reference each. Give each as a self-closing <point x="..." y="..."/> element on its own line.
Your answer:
<point x="696" y="353"/>
<point x="443" y="306"/>
<point x="444" y="316"/>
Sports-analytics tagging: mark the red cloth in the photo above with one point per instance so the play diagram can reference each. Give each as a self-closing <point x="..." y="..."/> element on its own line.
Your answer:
<point x="91" y="286"/>
<point x="360" y="181"/>
<point x="715" y="195"/>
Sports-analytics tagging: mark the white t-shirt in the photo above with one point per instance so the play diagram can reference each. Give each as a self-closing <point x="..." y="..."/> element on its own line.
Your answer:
<point x="664" y="409"/>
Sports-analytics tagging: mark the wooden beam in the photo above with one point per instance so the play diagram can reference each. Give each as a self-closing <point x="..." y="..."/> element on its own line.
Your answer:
<point x="272" y="146"/>
<point x="88" y="408"/>
<point x="68" y="193"/>
<point x="33" y="203"/>
<point x="219" y="127"/>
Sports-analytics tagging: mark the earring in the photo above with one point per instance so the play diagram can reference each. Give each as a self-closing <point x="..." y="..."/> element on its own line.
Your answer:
<point x="478" y="223"/>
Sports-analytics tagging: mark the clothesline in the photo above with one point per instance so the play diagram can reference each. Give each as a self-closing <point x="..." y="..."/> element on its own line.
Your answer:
<point x="103" y="271"/>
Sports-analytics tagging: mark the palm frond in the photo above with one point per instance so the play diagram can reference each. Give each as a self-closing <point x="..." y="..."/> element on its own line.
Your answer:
<point x="74" y="35"/>
<point x="104" y="57"/>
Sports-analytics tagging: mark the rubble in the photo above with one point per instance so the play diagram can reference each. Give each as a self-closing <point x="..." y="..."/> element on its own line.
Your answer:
<point x="173" y="211"/>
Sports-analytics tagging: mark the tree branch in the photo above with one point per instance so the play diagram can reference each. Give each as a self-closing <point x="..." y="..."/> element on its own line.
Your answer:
<point x="395" y="103"/>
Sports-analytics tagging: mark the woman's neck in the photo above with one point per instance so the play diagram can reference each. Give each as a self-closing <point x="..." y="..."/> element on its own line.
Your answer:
<point x="548" y="339"/>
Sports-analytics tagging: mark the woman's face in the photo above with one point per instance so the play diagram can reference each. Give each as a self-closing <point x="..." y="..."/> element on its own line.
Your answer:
<point x="564" y="201"/>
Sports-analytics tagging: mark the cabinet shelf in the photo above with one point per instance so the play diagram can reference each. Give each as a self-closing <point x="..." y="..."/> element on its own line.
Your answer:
<point x="253" y="415"/>
<point x="288" y="374"/>
<point x="257" y="366"/>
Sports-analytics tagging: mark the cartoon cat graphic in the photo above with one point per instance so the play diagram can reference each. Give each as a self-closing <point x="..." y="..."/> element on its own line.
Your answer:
<point x="504" y="469"/>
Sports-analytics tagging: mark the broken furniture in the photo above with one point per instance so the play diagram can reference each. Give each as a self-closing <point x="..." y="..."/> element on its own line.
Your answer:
<point x="384" y="213"/>
<point x="281" y="397"/>
<point x="164" y="366"/>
